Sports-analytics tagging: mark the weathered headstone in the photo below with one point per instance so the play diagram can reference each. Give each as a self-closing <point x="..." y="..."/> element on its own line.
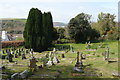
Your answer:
<point x="12" y="52"/>
<point x="72" y="50"/>
<point x="10" y="56"/>
<point x="45" y="61"/>
<point x="33" y="63"/>
<point x="3" y="52"/>
<point x="24" y="74"/>
<point x="55" y="60"/>
<point x="31" y="53"/>
<point x="82" y="56"/>
<point x="79" y="65"/>
<point x="63" y="56"/>
<point x="108" y="54"/>
<point x="6" y="50"/>
<point x="31" y="50"/>
<point x="54" y="50"/>
<point x="27" y="51"/>
<point x="19" y="54"/>
<point x="23" y="56"/>
<point x="22" y="49"/>
<point x="105" y="55"/>
<point x="15" y="55"/>
<point x="15" y="76"/>
<point x="50" y="62"/>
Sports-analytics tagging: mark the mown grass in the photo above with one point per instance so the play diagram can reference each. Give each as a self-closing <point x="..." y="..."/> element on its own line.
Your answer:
<point x="94" y="64"/>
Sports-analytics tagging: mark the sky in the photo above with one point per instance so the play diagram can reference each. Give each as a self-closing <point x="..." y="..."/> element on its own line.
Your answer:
<point x="61" y="10"/>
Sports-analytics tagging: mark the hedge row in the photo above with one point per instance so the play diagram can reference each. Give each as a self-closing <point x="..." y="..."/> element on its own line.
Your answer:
<point x="12" y="43"/>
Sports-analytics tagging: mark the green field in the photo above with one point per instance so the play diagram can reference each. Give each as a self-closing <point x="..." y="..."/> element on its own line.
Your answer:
<point x="94" y="65"/>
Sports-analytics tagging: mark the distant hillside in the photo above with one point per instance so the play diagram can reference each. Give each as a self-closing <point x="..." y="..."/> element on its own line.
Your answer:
<point x="13" y="24"/>
<point x="59" y="24"/>
<point x="18" y="24"/>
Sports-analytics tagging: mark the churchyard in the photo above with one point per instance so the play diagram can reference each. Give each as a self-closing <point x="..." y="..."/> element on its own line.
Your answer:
<point x="70" y="60"/>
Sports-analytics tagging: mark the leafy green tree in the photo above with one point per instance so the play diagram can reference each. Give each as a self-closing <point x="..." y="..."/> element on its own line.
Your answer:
<point x="55" y="35"/>
<point x="79" y="28"/>
<point x="108" y="26"/>
<point x="61" y="32"/>
<point x="106" y="22"/>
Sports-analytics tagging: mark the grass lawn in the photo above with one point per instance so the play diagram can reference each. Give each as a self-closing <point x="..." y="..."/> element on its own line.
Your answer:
<point x="94" y="65"/>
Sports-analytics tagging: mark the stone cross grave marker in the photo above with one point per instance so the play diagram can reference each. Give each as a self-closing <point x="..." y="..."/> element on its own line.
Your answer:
<point x="79" y="65"/>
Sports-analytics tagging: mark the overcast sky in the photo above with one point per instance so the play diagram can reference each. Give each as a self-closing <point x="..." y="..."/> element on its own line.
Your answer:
<point x="62" y="10"/>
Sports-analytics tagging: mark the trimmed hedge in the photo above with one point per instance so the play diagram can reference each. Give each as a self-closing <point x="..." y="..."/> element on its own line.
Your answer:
<point x="12" y="43"/>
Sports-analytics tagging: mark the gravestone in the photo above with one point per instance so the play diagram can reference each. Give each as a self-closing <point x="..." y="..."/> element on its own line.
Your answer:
<point x="105" y="55"/>
<point x="55" y="59"/>
<point x="31" y="50"/>
<point x="27" y="51"/>
<point x="4" y="36"/>
<point x="82" y="56"/>
<point x="33" y="63"/>
<point x="19" y="54"/>
<point x="31" y="53"/>
<point x="19" y="50"/>
<point x="24" y="74"/>
<point x="47" y="55"/>
<point x="72" y="49"/>
<point x="79" y="64"/>
<point x="10" y="56"/>
<point x="15" y="55"/>
<point x="50" y="62"/>
<point x="54" y="50"/>
<point x="63" y="56"/>
<point x="108" y="54"/>
<point x="3" y="52"/>
<point x="45" y="61"/>
<point x="22" y="49"/>
<point x="23" y="56"/>
<point x="6" y="50"/>
<point x="16" y="76"/>
<point x="12" y="52"/>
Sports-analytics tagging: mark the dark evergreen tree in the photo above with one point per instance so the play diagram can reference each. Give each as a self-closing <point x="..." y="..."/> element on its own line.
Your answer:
<point x="38" y="30"/>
